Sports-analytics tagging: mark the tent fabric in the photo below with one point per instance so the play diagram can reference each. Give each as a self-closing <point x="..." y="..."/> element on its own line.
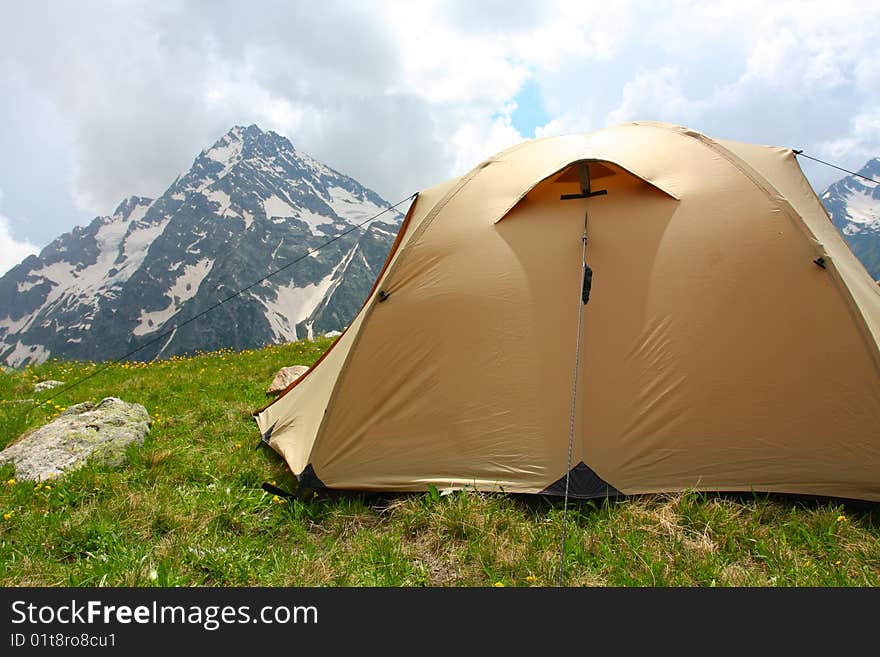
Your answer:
<point x="716" y="354"/>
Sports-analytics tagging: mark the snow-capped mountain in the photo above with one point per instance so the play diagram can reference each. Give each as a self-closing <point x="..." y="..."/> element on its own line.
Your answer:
<point x="249" y="205"/>
<point x="854" y="206"/>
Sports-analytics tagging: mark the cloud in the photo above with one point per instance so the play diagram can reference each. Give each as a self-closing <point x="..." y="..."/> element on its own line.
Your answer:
<point x="787" y="74"/>
<point x="12" y="251"/>
<point x="654" y="91"/>
<point x="861" y="140"/>
<point x="474" y="141"/>
<point x="396" y="93"/>
<point x="403" y="95"/>
<point x="143" y="88"/>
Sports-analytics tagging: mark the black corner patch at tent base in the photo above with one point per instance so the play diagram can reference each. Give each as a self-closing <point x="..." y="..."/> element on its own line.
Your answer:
<point x="267" y="435"/>
<point x="308" y="479"/>
<point x="583" y="484"/>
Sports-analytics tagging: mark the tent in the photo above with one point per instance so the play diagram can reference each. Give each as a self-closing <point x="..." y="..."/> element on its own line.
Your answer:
<point x="729" y="341"/>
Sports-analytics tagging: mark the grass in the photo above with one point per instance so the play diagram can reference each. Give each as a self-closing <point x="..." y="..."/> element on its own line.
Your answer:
<point x="188" y="510"/>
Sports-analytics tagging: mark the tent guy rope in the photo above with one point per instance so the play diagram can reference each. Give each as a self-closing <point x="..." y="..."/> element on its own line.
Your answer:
<point x="585" y="193"/>
<point x="577" y="355"/>
<point x="834" y="166"/>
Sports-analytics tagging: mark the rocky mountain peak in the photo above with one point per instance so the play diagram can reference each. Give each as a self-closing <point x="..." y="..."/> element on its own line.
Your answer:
<point x="249" y="204"/>
<point x="129" y="205"/>
<point x="853" y="204"/>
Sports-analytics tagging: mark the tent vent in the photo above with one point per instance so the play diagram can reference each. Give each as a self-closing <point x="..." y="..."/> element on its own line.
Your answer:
<point x="383" y="295"/>
<point x="583" y="484"/>
<point x="584" y="179"/>
<point x="820" y="262"/>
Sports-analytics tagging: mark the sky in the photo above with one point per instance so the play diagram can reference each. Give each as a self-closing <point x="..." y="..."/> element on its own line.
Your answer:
<point x="103" y="100"/>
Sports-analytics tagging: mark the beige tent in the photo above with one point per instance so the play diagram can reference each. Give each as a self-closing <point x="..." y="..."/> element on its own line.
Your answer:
<point x="730" y="340"/>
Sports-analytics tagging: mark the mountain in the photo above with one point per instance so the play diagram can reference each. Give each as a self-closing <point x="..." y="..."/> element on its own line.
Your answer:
<point x="251" y="204"/>
<point x="854" y="206"/>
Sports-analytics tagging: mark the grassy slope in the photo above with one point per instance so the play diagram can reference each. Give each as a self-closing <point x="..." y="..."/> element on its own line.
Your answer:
<point x="188" y="510"/>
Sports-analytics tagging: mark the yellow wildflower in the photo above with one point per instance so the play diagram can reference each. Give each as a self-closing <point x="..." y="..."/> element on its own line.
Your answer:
<point x="499" y="585"/>
<point x="841" y="518"/>
<point x="838" y="562"/>
<point x="275" y="498"/>
<point x="237" y="445"/>
<point x="7" y="516"/>
<point x="10" y="482"/>
<point x="531" y="579"/>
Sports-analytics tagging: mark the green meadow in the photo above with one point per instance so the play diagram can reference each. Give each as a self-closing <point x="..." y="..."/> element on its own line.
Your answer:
<point x="188" y="509"/>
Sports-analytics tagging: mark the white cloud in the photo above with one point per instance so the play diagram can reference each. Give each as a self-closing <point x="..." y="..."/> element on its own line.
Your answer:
<point x="403" y="95"/>
<point x="656" y="93"/>
<point x="861" y="141"/>
<point x="476" y="140"/>
<point x="12" y="251"/>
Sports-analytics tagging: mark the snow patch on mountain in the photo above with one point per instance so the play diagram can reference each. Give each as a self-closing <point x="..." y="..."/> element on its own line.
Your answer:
<point x="349" y="207"/>
<point x="225" y="150"/>
<point x="277" y="207"/>
<point x="121" y="241"/>
<point x="293" y="304"/>
<point x="138" y="212"/>
<point x="136" y="244"/>
<point x="23" y="354"/>
<point x="24" y="286"/>
<point x="185" y="288"/>
<point x="862" y="210"/>
<point x="187" y="285"/>
<point x="221" y="198"/>
<point x="314" y="221"/>
<point x="13" y="325"/>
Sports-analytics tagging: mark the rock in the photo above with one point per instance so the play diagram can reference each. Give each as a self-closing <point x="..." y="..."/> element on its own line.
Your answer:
<point x="285" y="376"/>
<point x="85" y="431"/>
<point x="332" y="334"/>
<point x="47" y="385"/>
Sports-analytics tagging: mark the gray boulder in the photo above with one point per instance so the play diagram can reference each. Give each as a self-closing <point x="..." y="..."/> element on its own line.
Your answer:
<point x="284" y="377"/>
<point x="47" y="385"/>
<point x="85" y="431"/>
